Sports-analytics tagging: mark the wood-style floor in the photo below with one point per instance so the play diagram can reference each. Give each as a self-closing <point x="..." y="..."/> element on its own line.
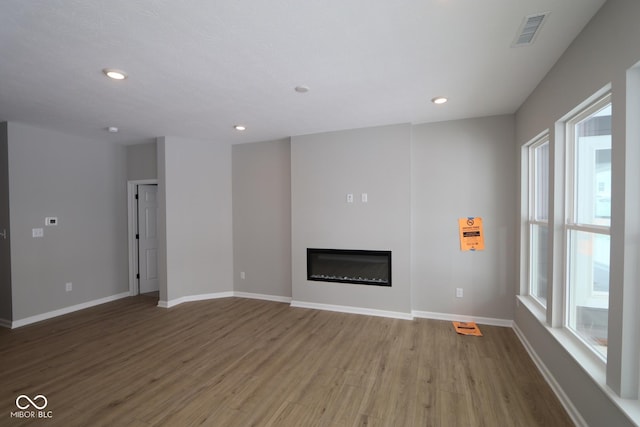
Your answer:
<point x="241" y="362"/>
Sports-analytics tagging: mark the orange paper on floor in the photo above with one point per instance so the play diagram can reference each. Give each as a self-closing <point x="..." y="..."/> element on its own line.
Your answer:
<point x="467" y="328"/>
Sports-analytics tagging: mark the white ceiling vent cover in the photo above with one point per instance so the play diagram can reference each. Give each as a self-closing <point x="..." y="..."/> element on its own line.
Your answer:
<point x="529" y="29"/>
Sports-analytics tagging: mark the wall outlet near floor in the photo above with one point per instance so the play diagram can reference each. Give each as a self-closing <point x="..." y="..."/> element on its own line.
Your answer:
<point x="68" y="286"/>
<point x="242" y="275"/>
<point x="459" y="293"/>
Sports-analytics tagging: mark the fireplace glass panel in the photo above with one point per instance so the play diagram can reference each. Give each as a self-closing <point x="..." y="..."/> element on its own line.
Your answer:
<point x="349" y="266"/>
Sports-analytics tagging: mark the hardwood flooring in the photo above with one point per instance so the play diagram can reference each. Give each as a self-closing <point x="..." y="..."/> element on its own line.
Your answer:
<point x="241" y="362"/>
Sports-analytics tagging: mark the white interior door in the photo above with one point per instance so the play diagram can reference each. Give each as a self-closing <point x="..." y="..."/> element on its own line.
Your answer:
<point x="147" y="238"/>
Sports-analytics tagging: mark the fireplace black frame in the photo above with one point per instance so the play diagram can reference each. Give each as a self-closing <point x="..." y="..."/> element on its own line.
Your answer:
<point x="349" y="252"/>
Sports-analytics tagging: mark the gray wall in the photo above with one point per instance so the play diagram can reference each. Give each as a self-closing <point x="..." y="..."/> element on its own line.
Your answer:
<point x="194" y="179"/>
<point x="5" y="248"/>
<point x="600" y="55"/>
<point x="262" y="217"/>
<point x="445" y="157"/>
<point x="142" y="161"/>
<point x="458" y="169"/>
<point x="83" y="183"/>
<point x="162" y="221"/>
<point x="324" y="168"/>
<point x="590" y="400"/>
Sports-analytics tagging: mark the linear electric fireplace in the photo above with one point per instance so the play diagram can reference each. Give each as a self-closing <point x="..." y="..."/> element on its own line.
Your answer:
<point x="349" y="266"/>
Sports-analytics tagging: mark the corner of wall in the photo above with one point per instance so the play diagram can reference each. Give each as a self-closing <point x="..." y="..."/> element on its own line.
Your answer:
<point x="6" y="298"/>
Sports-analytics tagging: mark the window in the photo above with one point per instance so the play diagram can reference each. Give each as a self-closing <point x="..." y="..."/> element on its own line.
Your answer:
<point x="588" y="224"/>
<point x="538" y="218"/>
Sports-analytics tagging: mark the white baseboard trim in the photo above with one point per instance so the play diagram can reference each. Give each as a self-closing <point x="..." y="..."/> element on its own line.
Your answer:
<point x="265" y="297"/>
<point x="463" y="318"/>
<point x="549" y="378"/>
<point x="4" y="323"/>
<point x="191" y="298"/>
<point x="352" y="310"/>
<point x="66" y="310"/>
<point x="226" y="294"/>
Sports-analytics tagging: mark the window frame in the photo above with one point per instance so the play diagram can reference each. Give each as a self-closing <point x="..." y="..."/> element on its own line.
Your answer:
<point x="571" y="223"/>
<point x="532" y="209"/>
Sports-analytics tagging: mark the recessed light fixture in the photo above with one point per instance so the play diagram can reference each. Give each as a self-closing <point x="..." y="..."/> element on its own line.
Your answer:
<point x="112" y="129"/>
<point x="439" y="100"/>
<point x="302" y="89"/>
<point x="114" y="74"/>
<point x="240" y="127"/>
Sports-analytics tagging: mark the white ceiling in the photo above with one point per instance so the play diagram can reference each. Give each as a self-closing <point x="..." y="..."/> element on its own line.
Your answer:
<point x="198" y="67"/>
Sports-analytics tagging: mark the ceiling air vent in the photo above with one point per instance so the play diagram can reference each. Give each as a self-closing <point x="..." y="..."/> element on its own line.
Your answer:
<point x="529" y="29"/>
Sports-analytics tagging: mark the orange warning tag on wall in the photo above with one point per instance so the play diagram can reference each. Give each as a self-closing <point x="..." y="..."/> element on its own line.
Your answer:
<point x="467" y="328"/>
<point x="471" y="234"/>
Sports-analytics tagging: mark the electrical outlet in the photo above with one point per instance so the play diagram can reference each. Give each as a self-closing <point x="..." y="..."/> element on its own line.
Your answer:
<point x="242" y="275"/>
<point x="37" y="232"/>
<point x="68" y="286"/>
<point x="459" y="293"/>
<point x="350" y="198"/>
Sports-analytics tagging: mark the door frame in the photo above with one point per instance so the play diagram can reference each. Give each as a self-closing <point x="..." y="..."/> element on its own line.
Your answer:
<point x="132" y="217"/>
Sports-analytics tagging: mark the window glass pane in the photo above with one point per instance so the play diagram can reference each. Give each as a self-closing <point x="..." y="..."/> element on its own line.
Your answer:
<point x="592" y="191"/>
<point x="588" y="291"/>
<point x="539" y="263"/>
<point x="541" y="182"/>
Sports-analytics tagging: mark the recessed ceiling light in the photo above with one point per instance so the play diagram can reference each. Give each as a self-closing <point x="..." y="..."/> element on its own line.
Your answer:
<point x="112" y="129"/>
<point x="240" y="127"/>
<point x="439" y="100"/>
<point x="115" y="74"/>
<point x="302" y="89"/>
